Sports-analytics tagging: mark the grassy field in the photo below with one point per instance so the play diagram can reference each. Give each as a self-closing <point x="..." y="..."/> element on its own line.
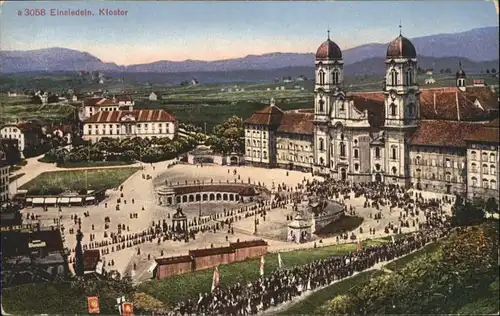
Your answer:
<point x="90" y="164"/>
<point x="18" y="108"/>
<point x="75" y="179"/>
<point x="177" y="288"/>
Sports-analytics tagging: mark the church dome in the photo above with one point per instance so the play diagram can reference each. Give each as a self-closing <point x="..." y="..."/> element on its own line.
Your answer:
<point x="401" y="47"/>
<point x="329" y="50"/>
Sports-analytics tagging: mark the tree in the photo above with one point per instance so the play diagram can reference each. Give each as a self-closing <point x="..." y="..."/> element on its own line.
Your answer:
<point x="491" y="205"/>
<point x="493" y="71"/>
<point x="487" y="71"/>
<point x="52" y="98"/>
<point x="442" y="70"/>
<point x="35" y="100"/>
<point x="466" y="212"/>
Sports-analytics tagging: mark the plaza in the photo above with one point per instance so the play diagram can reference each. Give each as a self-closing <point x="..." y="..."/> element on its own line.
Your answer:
<point x="137" y="196"/>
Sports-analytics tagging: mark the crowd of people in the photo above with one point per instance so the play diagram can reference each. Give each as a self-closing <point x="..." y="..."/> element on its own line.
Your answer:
<point x="282" y="285"/>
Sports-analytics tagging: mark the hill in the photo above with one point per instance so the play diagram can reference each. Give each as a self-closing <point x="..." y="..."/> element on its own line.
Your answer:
<point x="477" y="45"/>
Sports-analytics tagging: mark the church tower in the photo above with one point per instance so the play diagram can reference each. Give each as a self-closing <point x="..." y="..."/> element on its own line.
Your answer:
<point x="461" y="78"/>
<point x="402" y="108"/>
<point x="329" y="77"/>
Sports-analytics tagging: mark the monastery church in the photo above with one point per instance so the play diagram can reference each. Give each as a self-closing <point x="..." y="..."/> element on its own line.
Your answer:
<point x="443" y="139"/>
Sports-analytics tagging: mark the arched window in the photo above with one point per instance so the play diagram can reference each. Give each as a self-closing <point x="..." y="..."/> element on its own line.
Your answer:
<point x="448" y="176"/>
<point x="473" y="155"/>
<point x="321" y="105"/>
<point x="474" y="181"/>
<point x="493" y="185"/>
<point x="411" y="108"/>
<point x="321" y="161"/>
<point x="335" y="77"/>
<point x="377" y="152"/>
<point x="356" y="153"/>
<point x="393" y="109"/>
<point x="485" y="184"/>
<point x="409" y="77"/>
<point x="492" y="157"/>
<point x="448" y="163"/>
<point x="485" y="157"/>
<point x="394" y="151"/>
<point x="417" y="160"/>
<point x="492" y="169"/>
<point x="356" y="166"/>
<point x="418" y="173"/>
<point x="377" y="167"/>
<point x="394" y="170"/>
<point x="264" y="154"/>
<point x="473" y="167"/>
<point x="321" y="144"/>
<point x="485" y="169"/>
<point x="321" y="78"/>
<point x="342" y="149"/>
<point x="394" y="77"/>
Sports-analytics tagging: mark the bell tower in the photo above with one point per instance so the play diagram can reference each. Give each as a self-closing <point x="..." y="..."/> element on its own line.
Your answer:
<point x="461" y="78"/>
<point x="329" y="78"/>
<point x="402" y="108"/>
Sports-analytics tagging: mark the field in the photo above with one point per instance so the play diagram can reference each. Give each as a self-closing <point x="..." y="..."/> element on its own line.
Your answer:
<point x="210" y="103"/>
<point x="76" y="179"/>
<point x="180" y="287"/>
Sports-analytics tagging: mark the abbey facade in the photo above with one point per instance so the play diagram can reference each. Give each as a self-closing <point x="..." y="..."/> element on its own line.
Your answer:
<point x="443" y="139"/>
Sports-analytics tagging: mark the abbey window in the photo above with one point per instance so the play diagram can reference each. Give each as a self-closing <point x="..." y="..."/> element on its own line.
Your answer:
<point x="321" y="105"/>
<point x="394" y="77"/>
<point x="393" y="109"/>
<point x="321" y="78"/>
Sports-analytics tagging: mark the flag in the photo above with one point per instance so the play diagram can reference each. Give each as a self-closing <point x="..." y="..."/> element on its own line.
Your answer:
<point x="127" y="309"/>
<point x="359" y="244"/>
<point x="93" y="304"/>
<point x="393" y="241"/>
<point x="309" y="284"/>
<point x="262" y="266"/>
<point x="215" y="279"/>
<point x="200" y="299"/>
<point x="280" y="262"/>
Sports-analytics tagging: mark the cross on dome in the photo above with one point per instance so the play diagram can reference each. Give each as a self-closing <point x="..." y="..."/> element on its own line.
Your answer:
<point x="399" y="27"/>
<point x="328" y="33"/>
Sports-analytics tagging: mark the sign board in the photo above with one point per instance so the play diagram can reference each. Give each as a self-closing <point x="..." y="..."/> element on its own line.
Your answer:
<point x="127" y="309"/>
<point x="17" y="227"/>
<point x="93" y="303"/>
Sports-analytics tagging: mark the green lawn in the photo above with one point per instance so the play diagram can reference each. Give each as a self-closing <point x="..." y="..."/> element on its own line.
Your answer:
<point x="85" y="164"/>
<point x="75" y="179"/>
<point x="177" y="288"/>
<point x="399" y="264"/>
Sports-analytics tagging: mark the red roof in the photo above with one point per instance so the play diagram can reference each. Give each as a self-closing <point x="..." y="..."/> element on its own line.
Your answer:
<point x="92" y="101"/>
<point x="443" y="133"/>
<point x="173" y="260"/>
<point x="270" y="115"/>
<point x="297" y="123"/>
<point x="210" y="252"/>
<point x="28" y="127"/>
<point x="488" y="133"/>
<point x="124" y="98"/>
<point x="139" y="115"/>
<point x="248" y="244"/>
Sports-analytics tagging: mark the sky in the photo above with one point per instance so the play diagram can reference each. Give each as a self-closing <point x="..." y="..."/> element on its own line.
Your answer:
<point x="152" y="31"/>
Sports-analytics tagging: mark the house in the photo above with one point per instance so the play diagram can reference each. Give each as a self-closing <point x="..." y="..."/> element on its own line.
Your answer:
<point x="154" y="96"/>
<point x="194" y="82"/>
<point x="287" y="79"/>
<point x="125" y="102"/>
<point x="242" y="89"/>
<point x="14" y="94"/>
<point x="125" y="124"/>
<point x="64" y="132"/>
<point x="38" y="251"/>
<point x="478" y="83"/>
<point x="27" y="134"/>
<point x="430" y="81"/>
<point x="282" y="87"/>
<point x="300" y="78"/>
<point x="44" y="96"/>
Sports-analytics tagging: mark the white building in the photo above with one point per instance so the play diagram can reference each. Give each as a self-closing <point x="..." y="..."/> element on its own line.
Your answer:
<point x="430" y="81"/>
<point x="128" y="124"/>
<point x="154" y="96"/>
<point x="125" y="102"/>
<point x="96" y="105"/>
<point x="27" y="134"/>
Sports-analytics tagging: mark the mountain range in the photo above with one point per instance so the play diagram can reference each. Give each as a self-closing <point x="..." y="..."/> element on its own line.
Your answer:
<point x="477" y="47"/>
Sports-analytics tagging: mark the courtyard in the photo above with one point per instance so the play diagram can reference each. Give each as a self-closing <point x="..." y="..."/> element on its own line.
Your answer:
<point x="137" y="197"/>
